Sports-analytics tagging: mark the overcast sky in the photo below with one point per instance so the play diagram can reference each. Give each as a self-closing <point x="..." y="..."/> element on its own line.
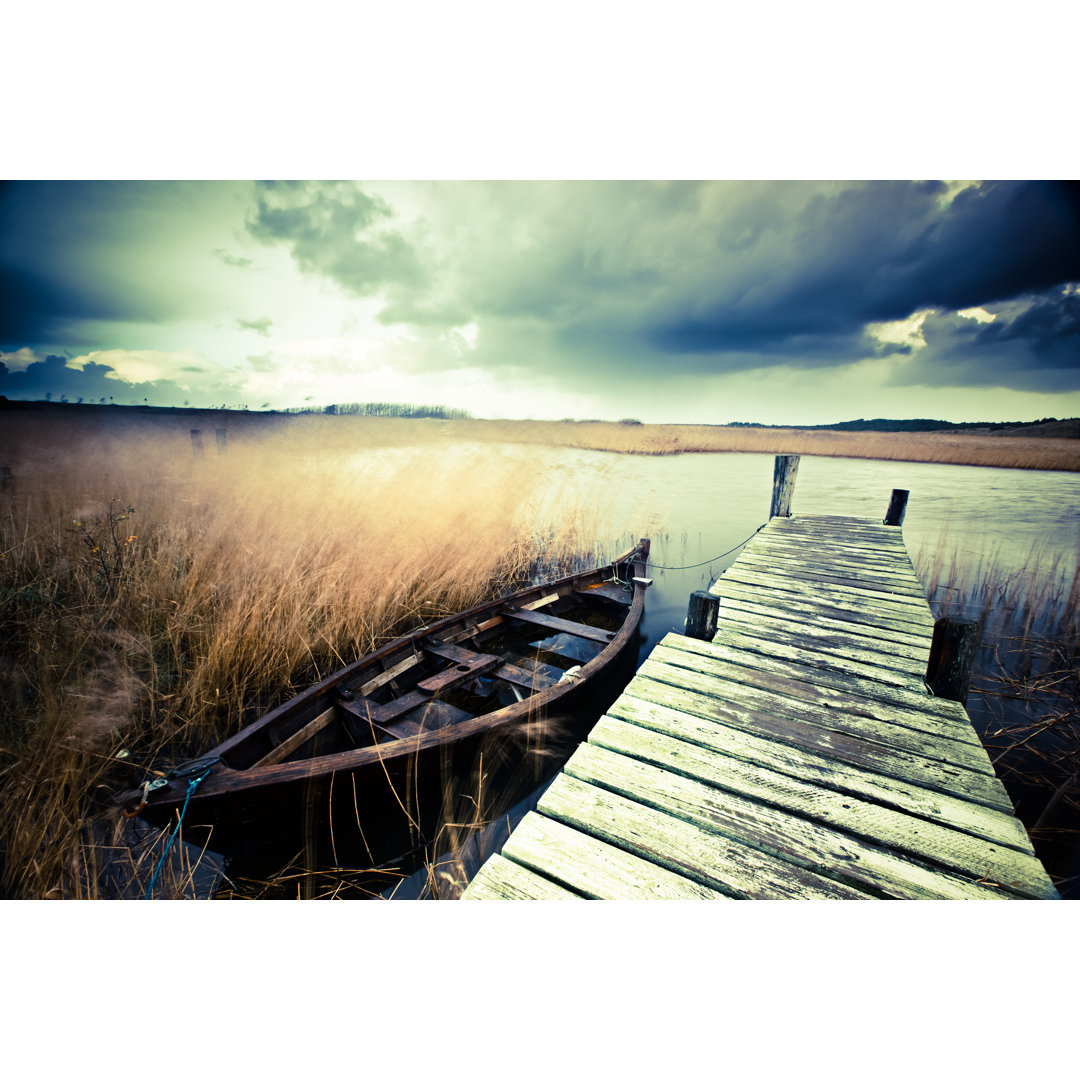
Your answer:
<point x="778" y="302"/>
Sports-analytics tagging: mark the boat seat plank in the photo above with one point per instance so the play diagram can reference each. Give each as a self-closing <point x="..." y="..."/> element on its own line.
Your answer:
<point x="448" y="650"/>
<point x="565" y="626"/>
<point x="388" y="675"/>
<point x="380" y="716"/>
<point x="531" y="679"/>
<point x="429" y="717"/>
<point x="468" y="666"/>
<point x="613" y="590"/>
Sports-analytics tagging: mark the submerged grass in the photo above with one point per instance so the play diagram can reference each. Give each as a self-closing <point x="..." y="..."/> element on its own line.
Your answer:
<point x="152" y="601"/>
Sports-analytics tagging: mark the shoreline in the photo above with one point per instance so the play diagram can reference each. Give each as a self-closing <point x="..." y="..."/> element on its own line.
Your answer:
<point x="27" y="423"/>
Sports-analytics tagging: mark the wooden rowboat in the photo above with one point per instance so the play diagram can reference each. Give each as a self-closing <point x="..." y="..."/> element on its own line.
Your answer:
<point x="374" y="741"/>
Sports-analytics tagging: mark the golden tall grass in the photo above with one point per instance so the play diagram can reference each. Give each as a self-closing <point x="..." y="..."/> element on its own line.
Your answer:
<point x="154" y="601"/>
<point x="993" y="450"/>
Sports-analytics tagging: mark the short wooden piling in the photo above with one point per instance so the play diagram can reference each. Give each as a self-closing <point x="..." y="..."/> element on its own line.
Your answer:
<point x="897" y="507"/>
<point x="952" y="656"/>
<point x="7" y="480"/>
<point x="785" y="469"/>
<point x="222" y="436"/>
<point x="701" y="615"/>
<point x="196" y="442"/>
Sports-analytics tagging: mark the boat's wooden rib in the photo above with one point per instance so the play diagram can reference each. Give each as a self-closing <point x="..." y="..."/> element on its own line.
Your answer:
<point x="389" y="674"/>
<point x="297" y="739"/>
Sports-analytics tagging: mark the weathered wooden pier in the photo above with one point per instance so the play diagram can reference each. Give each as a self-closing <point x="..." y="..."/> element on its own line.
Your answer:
<point x="797" y="752"/>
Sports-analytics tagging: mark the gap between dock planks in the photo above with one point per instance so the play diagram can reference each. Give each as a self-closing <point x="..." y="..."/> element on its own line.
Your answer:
<point x="797" y="755"/>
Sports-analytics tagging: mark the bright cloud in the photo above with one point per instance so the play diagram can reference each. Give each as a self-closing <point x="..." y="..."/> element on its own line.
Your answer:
<point x="142" y="365"/>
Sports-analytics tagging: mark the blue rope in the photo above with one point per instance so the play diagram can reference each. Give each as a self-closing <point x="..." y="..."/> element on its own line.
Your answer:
<point x="193" y="783"/>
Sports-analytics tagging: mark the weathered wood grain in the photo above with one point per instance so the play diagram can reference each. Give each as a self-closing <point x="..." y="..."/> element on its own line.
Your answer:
<point x="597" y="870"/>
<point x="561" y="626"/>
<point x="905" y="658"/>
<point x="501" y="879"/>
<point x="756" y="599"/>
<point x="921" y="710"/>
<point x="839" y="553"/>
<point x="806" y="842"/>
<point x="998" y="825"/>
<point x="815" y="654"/>
<point x="865" y="753"/>
<point x="1015" y="870"/>
<point x="684" y="848"/>
<point x="903" y="608"/>
<point x="819" y="675"/>
<point x="804" y="570"/>
<point x="859" y="717"/>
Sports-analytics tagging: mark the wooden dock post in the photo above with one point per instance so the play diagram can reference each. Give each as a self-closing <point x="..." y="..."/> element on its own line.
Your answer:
<point x="785" y="469"/>
<point x="222" y="436"/>
<point x="701" y="615"/>
<point x="196" y="442"/>
<point x="897" y="507"/>
<point x="952" y="655"/>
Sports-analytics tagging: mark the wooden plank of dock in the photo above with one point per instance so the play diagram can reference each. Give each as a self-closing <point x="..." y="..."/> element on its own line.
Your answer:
<point x="796" y="755"/>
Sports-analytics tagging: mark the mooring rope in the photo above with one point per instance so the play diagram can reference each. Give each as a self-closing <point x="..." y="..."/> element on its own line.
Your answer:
<point x="193" y="783"/>
<point x="716" y="558"/>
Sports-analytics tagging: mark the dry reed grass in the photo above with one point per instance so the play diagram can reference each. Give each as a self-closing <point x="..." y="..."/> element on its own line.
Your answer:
<point x="1025" y="693"/>
<point x="992" y="450"/>
<point x="153" y="602"/>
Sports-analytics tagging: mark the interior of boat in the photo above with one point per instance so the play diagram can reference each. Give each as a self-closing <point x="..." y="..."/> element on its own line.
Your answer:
<point x="466" y="667"/>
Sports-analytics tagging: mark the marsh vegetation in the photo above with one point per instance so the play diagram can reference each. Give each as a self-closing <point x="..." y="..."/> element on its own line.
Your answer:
<point x="155" y="599"/>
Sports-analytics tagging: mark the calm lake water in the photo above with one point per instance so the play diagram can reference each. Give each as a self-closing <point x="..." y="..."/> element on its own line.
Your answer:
<point x="696" y="507"/>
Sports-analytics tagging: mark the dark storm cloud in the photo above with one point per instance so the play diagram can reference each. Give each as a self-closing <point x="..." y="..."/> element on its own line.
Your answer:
<point x="79" y="252"/>
<point x="43" y="293"/>
<point x="336" y="230"/>
<point x="1033" y="346"/>
<point x="33" y="307"/>
<point x="1050" y="327"/>
<point x="703" y="277"/>
<point x="879" y="253"/>
<point x="51" y="378"/>
<point x="260" y="326"/>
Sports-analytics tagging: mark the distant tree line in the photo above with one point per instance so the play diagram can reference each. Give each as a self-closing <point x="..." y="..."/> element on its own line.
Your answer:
<point x="902" y="425"/>
<point x="387" y="408"/>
